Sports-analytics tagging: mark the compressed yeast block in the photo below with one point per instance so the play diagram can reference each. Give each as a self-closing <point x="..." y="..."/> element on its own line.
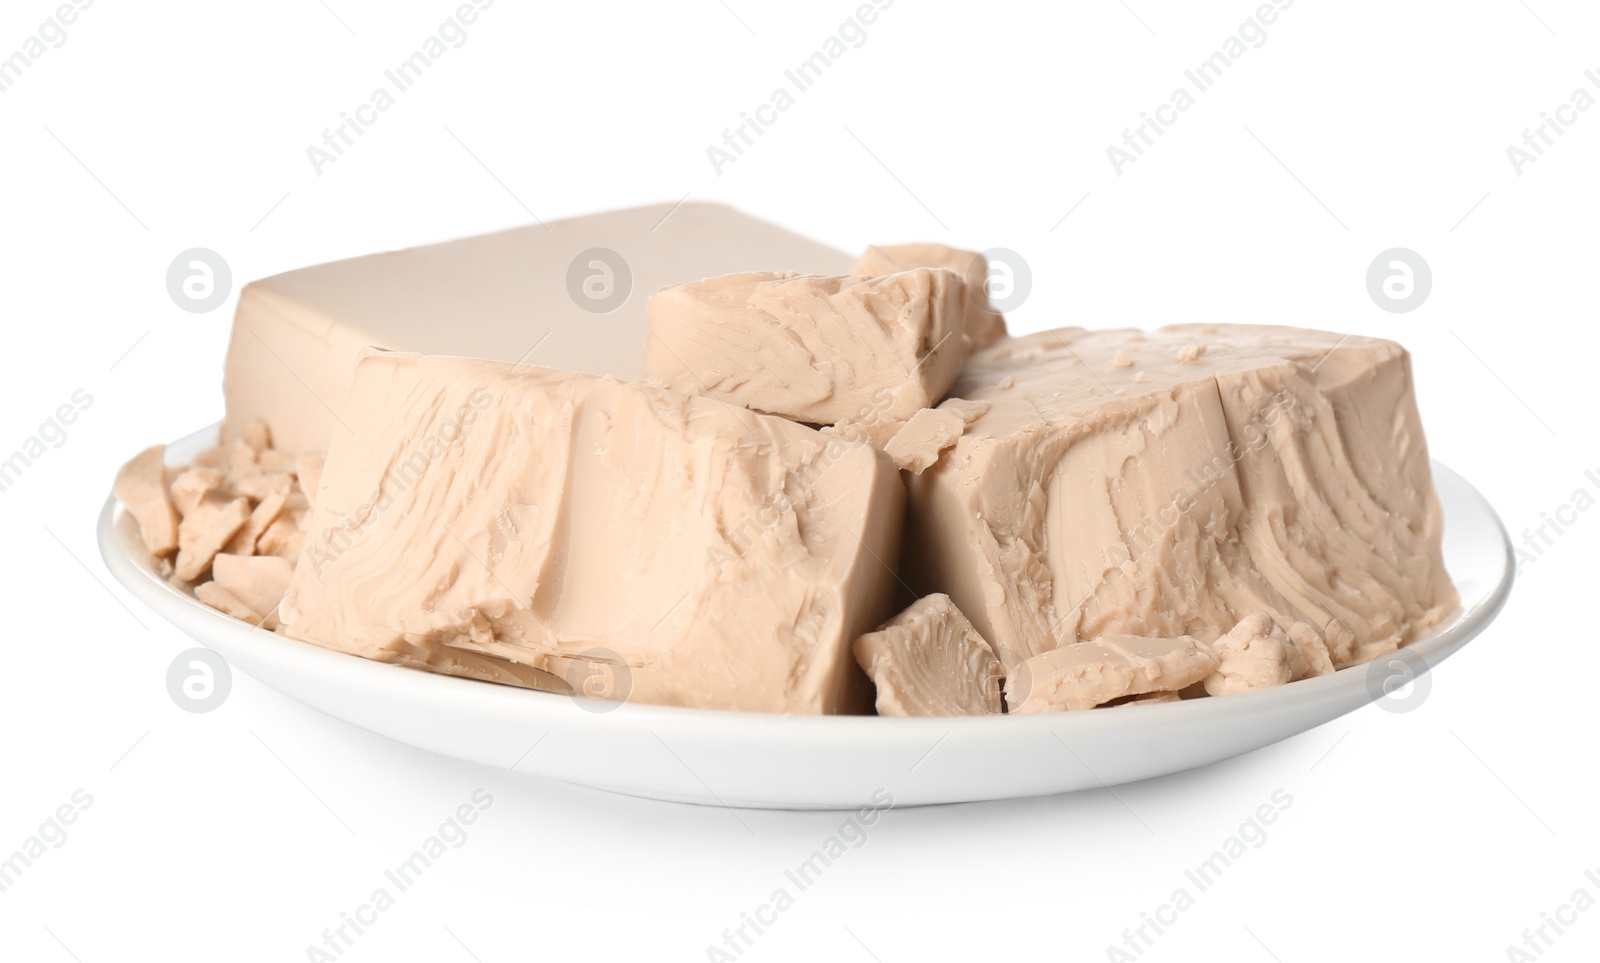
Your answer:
<point x="566" y="294"/>
<point x="815" y="349"/>
<point x="929" y="661"/>
<point x="710" y="556"/>
<point x="1175" y="482"/>
<point x="984" y="324"/>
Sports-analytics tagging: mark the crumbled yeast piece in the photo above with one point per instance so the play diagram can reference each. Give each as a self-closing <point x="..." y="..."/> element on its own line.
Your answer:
<point x="1313" y="647"/>
<point x="877" y="429"/>
<point x="920" y="441"/>
<point x="212" y="519"/>
<point x="247" y="587"/>
<point x="1256" y="653"/>
<point x="191" y="485"/>
<point x="259" y="486"/>
<point x="232" y="459"/>
<point x="141" y="485"/>
<point x="237" y="517"/>
<point x="968" y="411"/>
<point x="1088" y="674"/>
<point x="929" y="661"/>
<point x="275" y="462"/>
<point x="284" y="538"/>
<point x="924" y="437"/>
<point x="271" y="494"/>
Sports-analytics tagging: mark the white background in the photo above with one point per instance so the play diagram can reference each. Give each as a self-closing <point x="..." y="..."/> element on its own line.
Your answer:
<point x="1358" y="126"/>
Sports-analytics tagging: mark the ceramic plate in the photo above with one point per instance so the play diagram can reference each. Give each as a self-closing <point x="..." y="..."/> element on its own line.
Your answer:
<point x="814" y="762"/>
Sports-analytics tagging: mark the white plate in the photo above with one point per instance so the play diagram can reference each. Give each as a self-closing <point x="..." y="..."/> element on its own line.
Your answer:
<point x="811" y="762"/>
